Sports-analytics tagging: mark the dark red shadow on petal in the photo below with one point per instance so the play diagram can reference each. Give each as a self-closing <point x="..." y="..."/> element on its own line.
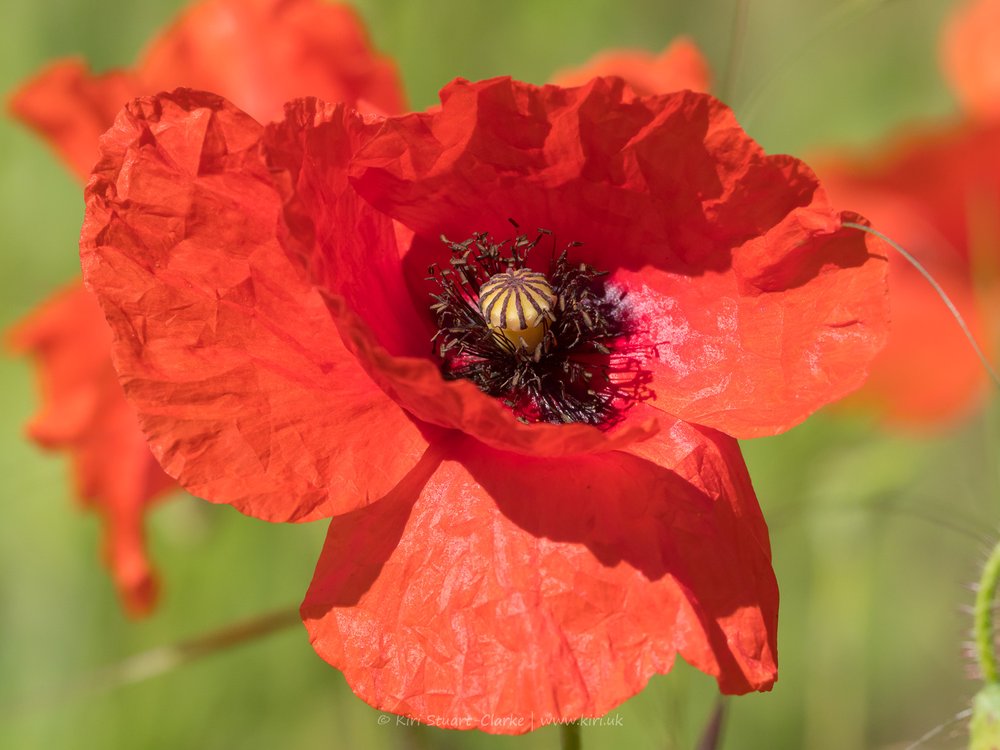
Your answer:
<point x="731" y="247"/>
<point x="368" y="536"/>
<point x="666" y="181"/>
<point x="784" y="261"/>
<point x="560" y="582"/>
<point x="347" y="248"/>
<point x="626" y="509"/>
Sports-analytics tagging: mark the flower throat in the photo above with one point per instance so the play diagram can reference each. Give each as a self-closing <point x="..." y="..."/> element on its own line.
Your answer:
<point x="548" y="345"/>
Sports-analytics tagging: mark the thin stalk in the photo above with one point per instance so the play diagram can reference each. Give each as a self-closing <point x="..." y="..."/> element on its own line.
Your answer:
<point x="569" y="736"/>
<point x="711" y="735"/>
<point x="941" y="293"/>
<point x="162" y="659"/>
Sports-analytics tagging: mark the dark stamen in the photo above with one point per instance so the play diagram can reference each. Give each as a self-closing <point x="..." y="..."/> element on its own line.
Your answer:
<point x="584" y="370"/>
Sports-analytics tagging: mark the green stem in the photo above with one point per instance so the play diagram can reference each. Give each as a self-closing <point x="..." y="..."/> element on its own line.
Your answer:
<point x="983" y="617"/>
<point x="569" y="736"/>
<point x="937" y="288"/>
<point x="160" y="660"/>
<point x="163" y="659"/>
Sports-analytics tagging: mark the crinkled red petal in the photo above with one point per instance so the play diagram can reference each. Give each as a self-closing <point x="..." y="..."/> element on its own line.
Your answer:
<point x="84" y="412"/>
<point x="937" y="193"/>
<point x="970" y="56"/>
<point x="350" y="250"/>
<point x="257" y="53"/>
<point x="262" y="52"/>
<point x="678" y="67"/>
<point x="681" y="206"/>
<point x="236" y="369"/>
<point x="756" y="360"/>
<point x="501" y="592"/>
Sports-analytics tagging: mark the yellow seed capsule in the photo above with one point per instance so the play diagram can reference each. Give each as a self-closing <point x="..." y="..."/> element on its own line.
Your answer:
<point x="518" y="304"/>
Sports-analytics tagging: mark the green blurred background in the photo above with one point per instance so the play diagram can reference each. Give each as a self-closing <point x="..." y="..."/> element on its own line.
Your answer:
<point x="876" y="537"/>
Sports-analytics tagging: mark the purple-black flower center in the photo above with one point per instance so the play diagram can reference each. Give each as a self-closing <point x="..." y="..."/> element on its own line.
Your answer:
<point x="550" y="345"/>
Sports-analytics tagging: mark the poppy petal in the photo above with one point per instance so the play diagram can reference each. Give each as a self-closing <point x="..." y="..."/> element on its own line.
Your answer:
<point x="348" y="248"/>
<point x="782" y="307"/>
<point x="85" y="413"/>
<point x="755" y="361"/>
<point x="500" y="592"/>
<point x="417" y="385"/>
<point x="261" y="51"/>
<point x="230" y="356"/>
<point x="351" y="252"/>
<point x="680" y="66"/>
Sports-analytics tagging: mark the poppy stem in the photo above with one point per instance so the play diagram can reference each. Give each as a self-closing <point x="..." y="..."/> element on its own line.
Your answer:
<point x="983" y="618"/>
<point x="711" y="735"/>
<point x="937" y="288"/>
<point x="569" y="736"/>
<point x="162" y="659"/>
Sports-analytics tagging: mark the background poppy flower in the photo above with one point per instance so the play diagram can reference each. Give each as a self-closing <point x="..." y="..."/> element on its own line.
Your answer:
<point x="936" y="194"/>
<point x="259" y="53"/>
<point x="970" y="58"/>
<point x="935" y="189"/>
<point x="267" y="289"/>
<point x="84" y="410"/>
<point x="678" y="67"/>
<point x="920" y="191"/>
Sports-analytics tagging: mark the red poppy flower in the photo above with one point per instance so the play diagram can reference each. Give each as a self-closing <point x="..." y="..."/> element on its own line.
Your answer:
<point x="971" y="59"/>
<point x="936" y="190"/>
<point x="260" y="53"/>
<point x="269" y="295"/>
<point x="680" y="66"/>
